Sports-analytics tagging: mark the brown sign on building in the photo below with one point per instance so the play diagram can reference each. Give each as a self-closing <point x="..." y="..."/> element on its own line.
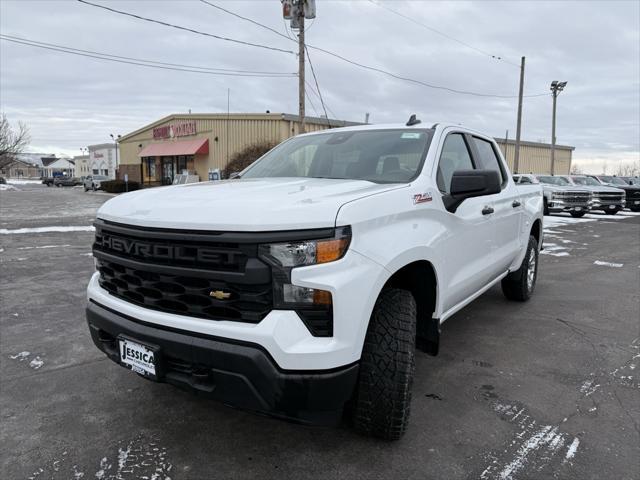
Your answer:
<point x="180" y="129"/>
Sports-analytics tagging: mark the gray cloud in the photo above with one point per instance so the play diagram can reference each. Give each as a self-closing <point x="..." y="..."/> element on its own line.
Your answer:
<point x="71" y="101"/>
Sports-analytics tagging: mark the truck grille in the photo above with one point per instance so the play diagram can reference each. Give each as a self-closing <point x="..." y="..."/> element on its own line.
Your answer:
<point x="574" y="197"/>
<point x="632" y="196"/>
<point x="185" y="273"/>
<point x="609" y="197"/>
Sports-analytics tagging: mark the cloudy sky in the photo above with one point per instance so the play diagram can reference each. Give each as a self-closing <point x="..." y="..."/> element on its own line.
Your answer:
<point x="72" y="101"/>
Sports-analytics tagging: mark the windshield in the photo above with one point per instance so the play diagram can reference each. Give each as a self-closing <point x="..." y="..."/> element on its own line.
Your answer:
<point x="380" y="156"/>
<point x="553" y="180"/>
<point x="634" y="181"/>
<point x="585" y="181"/>
<point x="612" y="179"/>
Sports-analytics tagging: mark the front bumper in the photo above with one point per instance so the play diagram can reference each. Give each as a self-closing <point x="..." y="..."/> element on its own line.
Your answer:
<point x="241" y="374"/>
<point x="561" y="206"/>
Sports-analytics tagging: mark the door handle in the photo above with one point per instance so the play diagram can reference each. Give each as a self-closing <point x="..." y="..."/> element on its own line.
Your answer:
<point x="516" y="204"/>
<point x="487" y="210"/>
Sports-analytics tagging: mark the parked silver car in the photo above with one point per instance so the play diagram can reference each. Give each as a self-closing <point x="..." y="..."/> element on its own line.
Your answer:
<point x="92" y="182"/>
<point x="559" y="195"/>
<point x="608" y="199"/>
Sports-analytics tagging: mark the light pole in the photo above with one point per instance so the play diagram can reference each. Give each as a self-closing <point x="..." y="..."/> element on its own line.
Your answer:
<point x="115" y="143"/>
<point x="556" y="88"/>
<point x="82" y="153"/>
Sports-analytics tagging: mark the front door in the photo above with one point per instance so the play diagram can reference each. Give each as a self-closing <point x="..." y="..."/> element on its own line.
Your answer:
<point x="469" y="239"/>
<point x="167" y="170"/>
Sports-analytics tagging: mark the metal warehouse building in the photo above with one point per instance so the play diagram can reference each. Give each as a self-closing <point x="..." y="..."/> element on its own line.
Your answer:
<point x="535" y="157"/>
<point x="202" y="142"/>
<point x="199" y="143"/>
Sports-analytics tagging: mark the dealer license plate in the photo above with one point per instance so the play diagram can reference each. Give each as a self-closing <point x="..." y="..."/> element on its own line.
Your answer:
<point x="636" y="202"/>
<point x="611" y="207"/>
<point x="140" y="358"/>
<point x="578" y="209"/>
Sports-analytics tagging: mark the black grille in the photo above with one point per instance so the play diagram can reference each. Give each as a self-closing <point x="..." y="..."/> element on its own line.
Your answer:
<point x="194" y="275"/>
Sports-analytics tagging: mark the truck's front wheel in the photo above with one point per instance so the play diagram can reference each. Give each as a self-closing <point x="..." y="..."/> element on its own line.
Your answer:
<point x="386" y="370"/>
<point x="519" y="285"/>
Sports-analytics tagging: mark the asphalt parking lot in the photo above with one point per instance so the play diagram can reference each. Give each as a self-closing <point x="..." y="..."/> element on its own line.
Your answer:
<point x="544" y="389"/>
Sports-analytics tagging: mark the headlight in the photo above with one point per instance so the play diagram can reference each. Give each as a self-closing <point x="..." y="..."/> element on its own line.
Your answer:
<point x="314" y="306"/>
<point x="308" y="252"/>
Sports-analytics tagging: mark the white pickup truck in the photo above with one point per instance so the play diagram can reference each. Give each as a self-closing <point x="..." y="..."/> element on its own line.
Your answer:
<point x="303" y="288"/>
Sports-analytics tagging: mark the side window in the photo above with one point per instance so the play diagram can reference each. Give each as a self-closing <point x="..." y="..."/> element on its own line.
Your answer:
<point x="455" y="156"/>
<point x="525" y="180"/>
<point x="487" y="159"/>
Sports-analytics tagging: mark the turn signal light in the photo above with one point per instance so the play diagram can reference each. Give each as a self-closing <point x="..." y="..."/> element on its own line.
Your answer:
<point x="330" y="250"/>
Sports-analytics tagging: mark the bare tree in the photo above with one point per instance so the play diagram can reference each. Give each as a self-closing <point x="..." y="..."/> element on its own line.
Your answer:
<point x="12" y="142"/>
<point x="575" y="170"/>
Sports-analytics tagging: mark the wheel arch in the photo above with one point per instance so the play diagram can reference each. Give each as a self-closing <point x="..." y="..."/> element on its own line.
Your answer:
<point x="419" y="277"/>
<point x="536" y="231"/>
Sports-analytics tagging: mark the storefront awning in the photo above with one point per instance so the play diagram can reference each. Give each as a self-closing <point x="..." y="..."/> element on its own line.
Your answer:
<point x="183" y="147"/>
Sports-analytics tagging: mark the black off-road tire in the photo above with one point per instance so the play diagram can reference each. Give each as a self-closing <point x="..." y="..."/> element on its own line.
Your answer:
<point x="577" y="214"/>
<point x="516" y="286"/>
<point x="383" y="397"/>
<point x="634" y="209"/>
<point x="611" y="212"/>
<point x="545" y="208"/>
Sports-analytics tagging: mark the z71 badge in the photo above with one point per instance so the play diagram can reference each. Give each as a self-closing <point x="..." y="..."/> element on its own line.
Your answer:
<point x="422" y="198"/>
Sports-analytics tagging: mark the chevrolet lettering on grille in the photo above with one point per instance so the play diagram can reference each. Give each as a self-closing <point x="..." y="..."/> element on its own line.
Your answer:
<point x="151" y="251"/>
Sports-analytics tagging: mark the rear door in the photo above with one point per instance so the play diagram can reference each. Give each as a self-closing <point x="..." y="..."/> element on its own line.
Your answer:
<point x="468" y="238"/>
<point x="507" y="206"/>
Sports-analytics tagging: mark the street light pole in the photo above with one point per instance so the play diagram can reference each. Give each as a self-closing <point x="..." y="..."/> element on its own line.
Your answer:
<point x="556" y="88"/>
<point x="115" y="143"/>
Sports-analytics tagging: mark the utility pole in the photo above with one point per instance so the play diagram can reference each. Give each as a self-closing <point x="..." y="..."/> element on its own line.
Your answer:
<point x="556" y="88"/>
<point x="506" y="142"/>
<point x="516" y="156"/>
<point x="301" y="54"/>
<point x="296" y="11"/>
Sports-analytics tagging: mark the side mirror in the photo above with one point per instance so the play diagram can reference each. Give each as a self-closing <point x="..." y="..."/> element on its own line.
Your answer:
<point x="471" y="183"/>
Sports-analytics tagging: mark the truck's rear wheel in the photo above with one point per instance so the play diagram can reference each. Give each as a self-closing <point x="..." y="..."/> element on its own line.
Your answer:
<point x="386" y="369"/>
<point x="577" y="214"/>
<point x="519" y="285"/>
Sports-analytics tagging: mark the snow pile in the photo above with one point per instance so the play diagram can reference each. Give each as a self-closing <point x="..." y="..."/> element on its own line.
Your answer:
<point x="4" y="187"/>
<point x="22" y="181"/>
<point x="7" y="231"/>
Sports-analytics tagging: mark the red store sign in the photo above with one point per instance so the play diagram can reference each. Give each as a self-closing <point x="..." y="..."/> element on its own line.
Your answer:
<point x="181" y="129"/>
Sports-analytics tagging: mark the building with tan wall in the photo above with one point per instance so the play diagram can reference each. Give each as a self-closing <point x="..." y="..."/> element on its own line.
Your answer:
<point x="199" y="143"/>
<point x="535" y="157"/>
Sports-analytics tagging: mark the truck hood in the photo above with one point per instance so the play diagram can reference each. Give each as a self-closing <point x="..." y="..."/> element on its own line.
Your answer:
<point x="601" y="188"/>
<point x="571" y="188"/>
<point x="264" y="204"/>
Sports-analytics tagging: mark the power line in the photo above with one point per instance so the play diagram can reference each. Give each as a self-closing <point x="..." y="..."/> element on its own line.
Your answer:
<point x="371" y="68"/>
<point x="312" y="104"/>
<point x="310" y="87"/>
<point x="234" y="70"/>
<point x="315" y="79"/>
<point x="198" y="32"/>
<point x="430" y="28"/>
<point x="142" y="62"/>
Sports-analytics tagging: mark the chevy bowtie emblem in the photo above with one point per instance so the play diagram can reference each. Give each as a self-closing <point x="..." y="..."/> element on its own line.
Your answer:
<point x="219" y="294"/>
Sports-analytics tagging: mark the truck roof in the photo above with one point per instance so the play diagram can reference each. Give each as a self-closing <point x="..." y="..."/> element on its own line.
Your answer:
<point x="387" y="126"/>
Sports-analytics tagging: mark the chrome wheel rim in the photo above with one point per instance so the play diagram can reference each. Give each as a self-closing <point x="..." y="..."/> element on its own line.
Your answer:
<point x="531" y="270"/>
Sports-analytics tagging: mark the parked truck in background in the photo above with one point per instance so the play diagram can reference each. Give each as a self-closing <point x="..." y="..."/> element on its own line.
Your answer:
<point x="304" y="286"/>
<point x="559" y="194"/>
<point x="632" y="192"/>
<point x="607" y="199"/>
